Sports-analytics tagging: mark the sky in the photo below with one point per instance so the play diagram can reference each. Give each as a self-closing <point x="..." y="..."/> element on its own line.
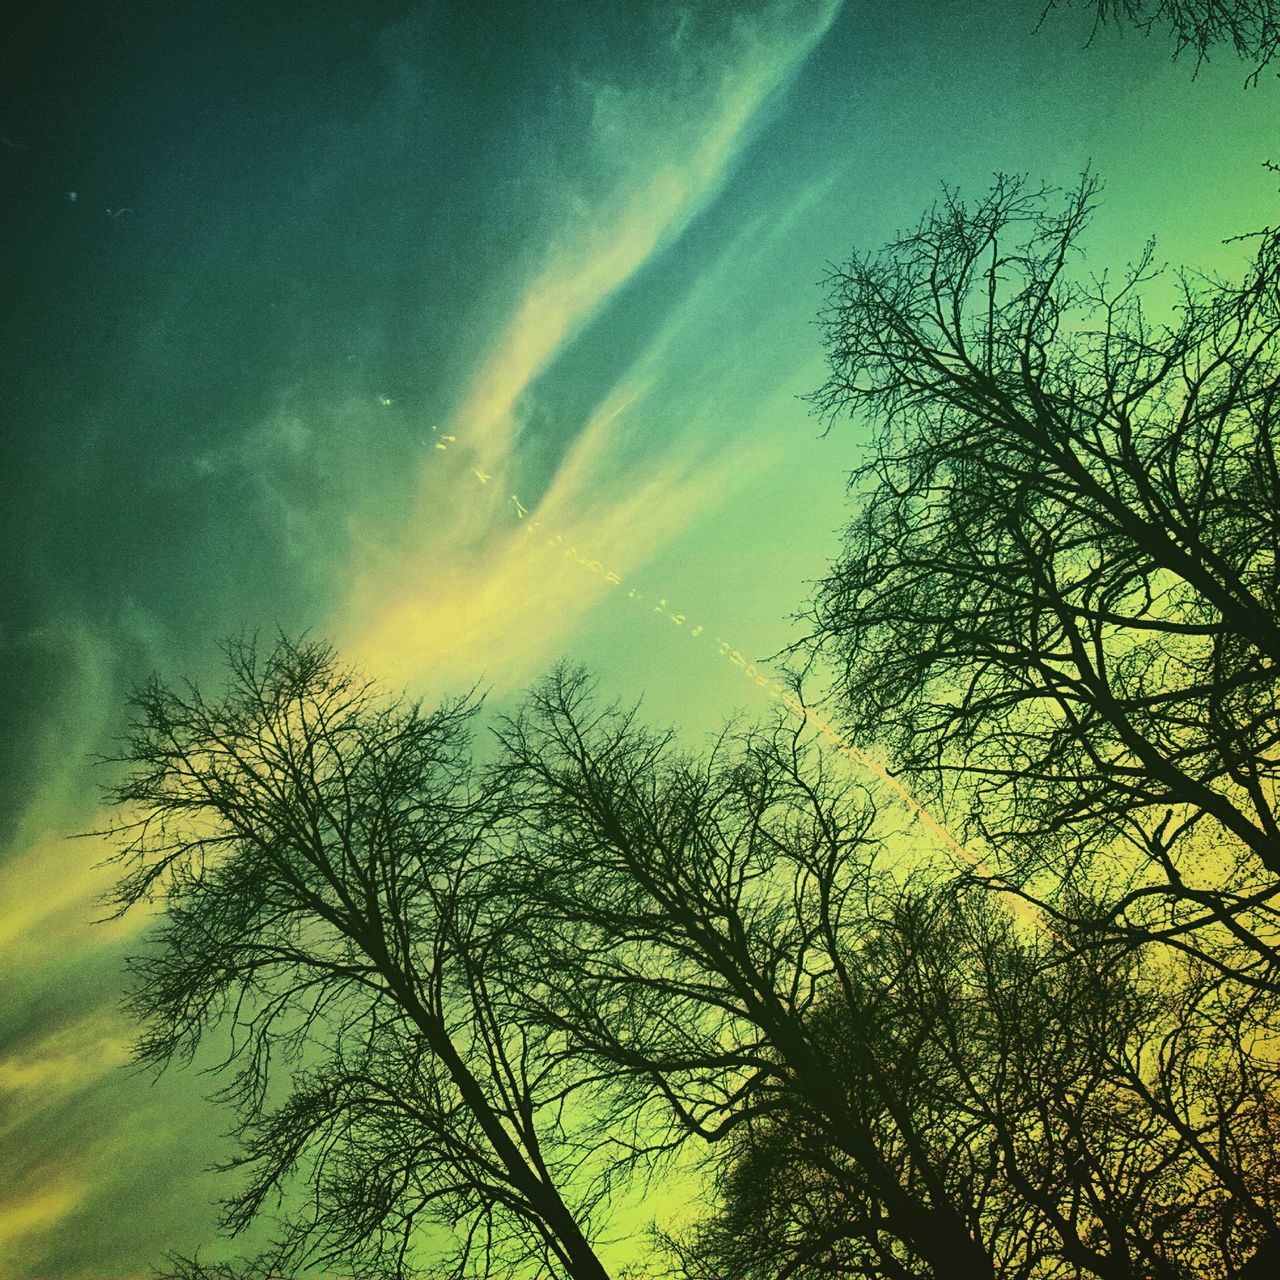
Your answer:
<point x="470" y="338"/>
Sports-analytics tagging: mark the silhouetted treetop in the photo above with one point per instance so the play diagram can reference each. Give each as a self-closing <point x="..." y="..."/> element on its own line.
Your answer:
<point x="318" y="850"/>
<point x="1060" y="588"/>
<point x="1250" y="27"/>
<point x="892" y="1074"/>
<point x="463" y="1006"/>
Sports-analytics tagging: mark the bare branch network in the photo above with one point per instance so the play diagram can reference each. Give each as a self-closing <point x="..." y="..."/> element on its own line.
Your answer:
<point x="467" y="1014"/>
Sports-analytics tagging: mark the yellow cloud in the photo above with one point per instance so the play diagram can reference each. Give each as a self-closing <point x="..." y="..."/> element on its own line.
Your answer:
<point x="29" y="1213"/>
<point x="65" y="1059"/>
<point x="464" y="588"/>
<point x="51" y="899"/>
<point x="489" y="584"/>
<point x="500" y="607"/>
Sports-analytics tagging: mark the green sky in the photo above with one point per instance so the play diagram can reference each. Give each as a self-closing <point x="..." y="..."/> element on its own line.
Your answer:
<point x="349" y="296"/>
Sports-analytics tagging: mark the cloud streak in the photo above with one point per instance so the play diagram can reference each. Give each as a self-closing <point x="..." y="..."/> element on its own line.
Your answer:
<point x="670" y="146"/>
<point x="456" y="597"/>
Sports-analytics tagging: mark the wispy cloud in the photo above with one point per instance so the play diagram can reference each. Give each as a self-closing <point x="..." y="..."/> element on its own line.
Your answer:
<point x="51" y="885"/>
<point x="51" y="895"/>
<point x="669" y="146"/>
<point x="500" y="609"/>
<point x="35" y="1210"/>
<point x="453" y="596"/>
<point x="64" y="1059"/>
<point x="496" y="587"/>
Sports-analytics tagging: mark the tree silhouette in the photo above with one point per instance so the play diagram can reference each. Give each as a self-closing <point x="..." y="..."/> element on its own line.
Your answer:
<point x="1097" y="1145"/>
<point x="1058" y="600"/>
<point x="1250" y="27"/>
<point x="888" y="1073"/>
<point x="318" y="851"/>
<point x="453" y="997"/>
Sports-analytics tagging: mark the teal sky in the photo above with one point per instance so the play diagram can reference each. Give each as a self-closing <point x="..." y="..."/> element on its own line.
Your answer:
<point x="338" y="280"/>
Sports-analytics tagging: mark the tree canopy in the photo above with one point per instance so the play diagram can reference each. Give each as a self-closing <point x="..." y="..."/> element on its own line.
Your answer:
<point x="466" y="1005"/>
<point x="891" y="1072"/>
<point x="463" y="1004"/>
<point x="318" y="849"/>
<point x="1251" y="28"/>
<point x="1056" y="605"/>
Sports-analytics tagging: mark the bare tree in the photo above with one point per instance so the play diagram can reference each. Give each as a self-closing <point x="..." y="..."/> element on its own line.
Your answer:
<point x="1059" y="596"/>
<point x="889" y="1076"/>
<point x="318" y="853"/>
<point x="1114" y="1144"/>
<point x="452" y="998"/>
<point x="1250" y="27"/>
